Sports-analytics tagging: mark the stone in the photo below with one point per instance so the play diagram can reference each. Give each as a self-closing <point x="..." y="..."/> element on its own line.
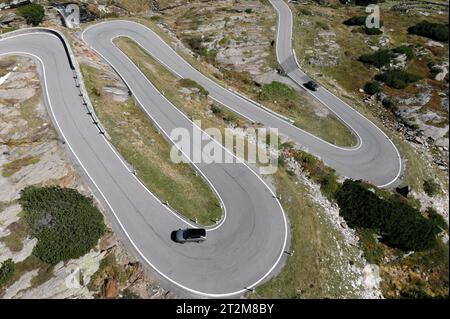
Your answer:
<point x="107" y="242"/>
<point x="7" y="18"/>
<point x="111" y="289"/>
<point x="136" y="273"/>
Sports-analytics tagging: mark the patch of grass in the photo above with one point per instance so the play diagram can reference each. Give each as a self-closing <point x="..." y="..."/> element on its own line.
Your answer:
<point x="18" y="232"/>
<point x="109" y="269"/>
<point x="134" y="6"/>
<point x="29" y="264"/>
<point x="373" y="250"/>
<point x="420" y="275"/>
<point x="279" y="92"/>
<point x="6" y="30"/>
<point x="148" y="152"/>
<point x="224" y="113"/>
<point x="13" y="167"/>
<point x="189" y="83"/>
<point x="27" y="110"/>
<point x="303" y="110"/>
<point x="417" y="170"/>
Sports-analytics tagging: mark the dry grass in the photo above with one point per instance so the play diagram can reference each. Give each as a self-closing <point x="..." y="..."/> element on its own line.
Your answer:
<point x="13" y="167"/>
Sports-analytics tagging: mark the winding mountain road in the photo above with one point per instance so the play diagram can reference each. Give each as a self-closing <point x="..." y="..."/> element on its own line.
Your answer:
<point x="248" y="244"/>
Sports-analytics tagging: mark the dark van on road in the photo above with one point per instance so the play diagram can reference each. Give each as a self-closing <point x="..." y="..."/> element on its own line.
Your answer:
<point x="196" y="235"/>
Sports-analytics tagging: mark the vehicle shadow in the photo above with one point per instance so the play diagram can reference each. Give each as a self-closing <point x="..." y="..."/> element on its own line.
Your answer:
<point x="173" y="236"/>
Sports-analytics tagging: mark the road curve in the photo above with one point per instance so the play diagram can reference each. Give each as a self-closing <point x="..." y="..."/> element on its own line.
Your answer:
<point x="376" y="159"/>
<point x="238" y="255"/>
<point x="250" y="241"/>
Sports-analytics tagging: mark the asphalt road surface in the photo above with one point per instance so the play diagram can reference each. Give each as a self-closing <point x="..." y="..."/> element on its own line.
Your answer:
<point x="248" y="244"/>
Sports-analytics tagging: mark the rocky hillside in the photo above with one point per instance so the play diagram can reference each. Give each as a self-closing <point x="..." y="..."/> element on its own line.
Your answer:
<point x="32" y="154"/>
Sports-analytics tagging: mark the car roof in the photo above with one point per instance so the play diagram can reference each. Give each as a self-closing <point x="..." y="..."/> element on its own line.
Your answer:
<point x="195" y="232"/>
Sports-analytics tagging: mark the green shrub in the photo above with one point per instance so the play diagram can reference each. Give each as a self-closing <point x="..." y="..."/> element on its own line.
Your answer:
<point x="430" y="187"/>
<point x="399" y="224"/>
<point x="373" y="87"/>
<point x="356" y="20"/>
<point x="215" y="109"/>
<point x="372" y="31"/>
<point x="397" y="79"/>
<point x="318" y="172"/>
<point x="389" y="104"/>
<point x="66" y="223"/>
<point x="435" y="31"/>
<point x="197" y="46"/>
<point x="329" y="185"/>
<point x="378" y="59"/>
<point x="405" y="49"/>
<point x="33" y="13"/>
<point x="7" y="269"/>
<point x="248" y="10"/>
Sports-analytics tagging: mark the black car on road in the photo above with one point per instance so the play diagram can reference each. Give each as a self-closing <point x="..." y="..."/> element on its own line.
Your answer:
<point x="196" y="235"/>
<point x="311" y="85"/>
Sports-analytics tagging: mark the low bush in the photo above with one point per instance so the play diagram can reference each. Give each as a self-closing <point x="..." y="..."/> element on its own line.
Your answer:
<point x="400" y="225"/>
<point x="318" y="172"/>
<point x="430" y="187"/>
<point x="373" y="87"/>
<point x="378" y="59"/>
<point x="66" y="223"/>
<point x="33" y="13"/>
<point x="7" y="269"/>
<point x="397" y="79"/>
<point x="389" y="104"/>
<point x="434" y="31"/>
<point x="196" y="44"/>
<point x="356" y="20"/>
<point x="405" y="49"/>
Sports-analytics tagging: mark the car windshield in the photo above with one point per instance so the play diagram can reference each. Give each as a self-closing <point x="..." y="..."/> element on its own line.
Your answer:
<point x="194" y="233"/>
